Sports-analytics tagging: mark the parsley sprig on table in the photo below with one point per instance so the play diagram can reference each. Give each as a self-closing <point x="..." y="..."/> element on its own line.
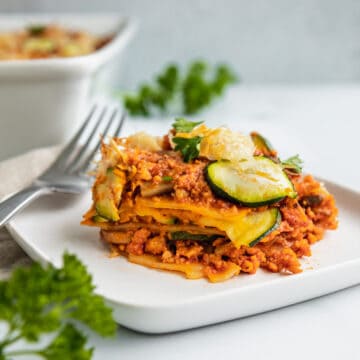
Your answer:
<point x="41" y="300"/>
<point x="195" y="89"/>
<point x="198" y="91"/>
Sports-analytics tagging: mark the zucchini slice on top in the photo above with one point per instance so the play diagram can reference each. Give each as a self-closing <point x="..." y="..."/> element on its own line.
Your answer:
<point x="252" y="183"/>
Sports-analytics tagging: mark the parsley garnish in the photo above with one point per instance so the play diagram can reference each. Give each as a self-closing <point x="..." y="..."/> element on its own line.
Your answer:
<point x="195" y="89"/>
<point x="198" y="91"/>
<point x="189" y="148"/>
<point x="36" y="30"/>
<point x="185" y="126"/>
<point x="293" y="163"/>
<point x="157" y="95"/>
<point x="167" y="178"/>
<point x="37" y="300"/>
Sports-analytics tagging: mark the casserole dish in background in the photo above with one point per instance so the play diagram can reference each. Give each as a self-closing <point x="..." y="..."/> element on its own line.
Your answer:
<point x="42" y="100"/>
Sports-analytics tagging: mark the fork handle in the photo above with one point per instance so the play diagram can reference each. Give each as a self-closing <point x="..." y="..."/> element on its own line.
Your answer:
<point x="18" y="201"/>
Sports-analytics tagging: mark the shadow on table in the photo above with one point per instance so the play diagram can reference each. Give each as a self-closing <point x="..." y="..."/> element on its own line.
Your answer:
<point x="255" y="337"/>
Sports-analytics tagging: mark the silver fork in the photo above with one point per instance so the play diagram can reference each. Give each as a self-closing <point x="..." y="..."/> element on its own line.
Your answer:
<point x="68" y="173"/>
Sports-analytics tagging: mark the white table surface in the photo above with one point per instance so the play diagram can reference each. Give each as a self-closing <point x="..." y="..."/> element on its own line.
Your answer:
<point x="322" y="124"/>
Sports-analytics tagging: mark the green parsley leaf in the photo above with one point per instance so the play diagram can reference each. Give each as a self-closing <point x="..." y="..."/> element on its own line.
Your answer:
<point x="293" y="163"/>
<point x="36" y="30"/>
<point x="183" y="125"/>
<point x="194" y="89"/>
<point x="168" y="80"/>
<point x="68" y="344"/>
<point x="223" y="77"/>
<point x="154" y="96"/>
<point x="198" y="91"/>
<point x="167" y="178"/>
<point x="38" y="300"/>
<point x="189" y="148"/>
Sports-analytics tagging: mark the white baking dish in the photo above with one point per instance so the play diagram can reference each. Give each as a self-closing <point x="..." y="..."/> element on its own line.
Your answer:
<point x="42" y="101"/>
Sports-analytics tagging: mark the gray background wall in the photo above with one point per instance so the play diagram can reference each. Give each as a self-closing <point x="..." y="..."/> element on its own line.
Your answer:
<point x="265" y="40"/>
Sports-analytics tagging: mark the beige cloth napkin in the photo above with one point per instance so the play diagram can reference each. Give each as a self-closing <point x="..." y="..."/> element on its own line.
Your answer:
<point x="15" y="174"/>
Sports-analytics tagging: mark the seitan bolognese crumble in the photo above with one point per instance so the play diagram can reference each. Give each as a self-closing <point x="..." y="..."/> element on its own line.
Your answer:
<point x="208" y="203"/>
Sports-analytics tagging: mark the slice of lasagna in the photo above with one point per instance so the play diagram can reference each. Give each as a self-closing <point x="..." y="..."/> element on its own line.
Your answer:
<point x="207" y="203"/>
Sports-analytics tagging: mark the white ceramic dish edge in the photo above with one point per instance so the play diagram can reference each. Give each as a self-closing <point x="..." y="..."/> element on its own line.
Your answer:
<point x="101" y="24"/>
<point x="51" y="95"/>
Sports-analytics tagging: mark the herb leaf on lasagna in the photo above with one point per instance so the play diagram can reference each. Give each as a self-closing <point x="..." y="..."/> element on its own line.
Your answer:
<point x="189" y="148"/>
<point x="185" y="126"/>
<point x="293" y="163"/>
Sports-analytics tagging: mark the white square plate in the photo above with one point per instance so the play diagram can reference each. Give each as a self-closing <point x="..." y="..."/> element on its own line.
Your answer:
<point x="153" y="301"/>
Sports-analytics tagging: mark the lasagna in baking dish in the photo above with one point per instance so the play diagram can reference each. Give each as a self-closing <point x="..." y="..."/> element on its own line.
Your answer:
<point x="48" y="41"/>
<point x="207" y="202"/>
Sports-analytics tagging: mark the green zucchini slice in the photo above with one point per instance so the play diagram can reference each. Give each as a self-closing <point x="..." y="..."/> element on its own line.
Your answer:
<point x="108" y="195"/>
<point x="105" y="205"/>
<point x="261" y="224"/>
<point x="99" y="219"/>
<point x="252" y="183"/>
<point x="248" y="231"/>
<point x="263" y="145"/>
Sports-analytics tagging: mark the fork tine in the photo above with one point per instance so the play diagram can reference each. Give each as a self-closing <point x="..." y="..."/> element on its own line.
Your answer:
<point x="83" y="163"/>
<point x="106" y="130"/>
<point x="85" y="147"/>
<point x="121" y="123"/>
<point x="87" y="162"/>
<point x="71" y="146"/>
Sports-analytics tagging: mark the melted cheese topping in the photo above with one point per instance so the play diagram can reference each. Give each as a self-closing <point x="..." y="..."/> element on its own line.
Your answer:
<point x="222" y="143"/>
